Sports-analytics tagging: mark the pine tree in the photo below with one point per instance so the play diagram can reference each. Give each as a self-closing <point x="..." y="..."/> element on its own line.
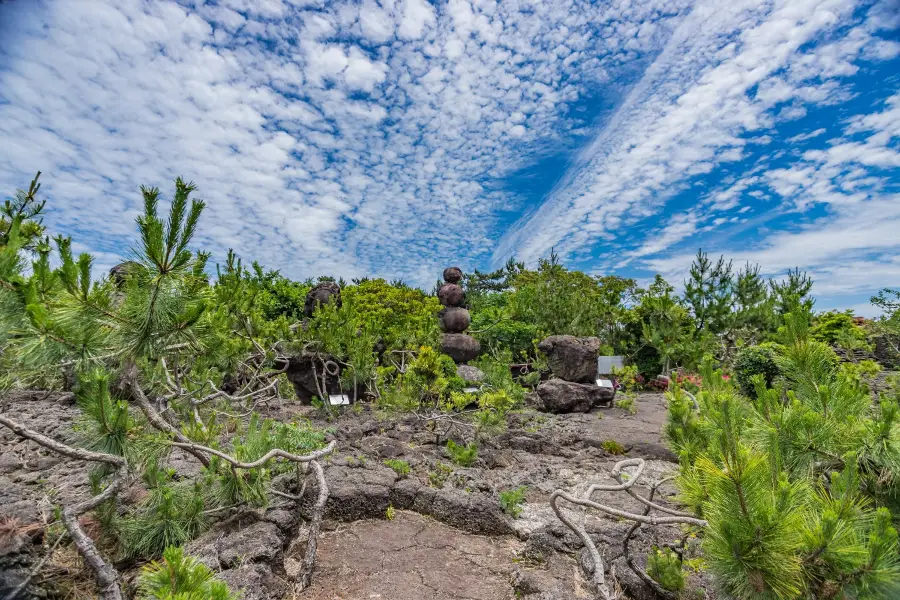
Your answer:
<point x="796" y="484"/>
<point x="709" y="293"/>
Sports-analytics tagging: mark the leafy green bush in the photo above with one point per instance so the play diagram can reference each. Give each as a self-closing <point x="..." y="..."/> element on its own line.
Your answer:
<point x="755" y="360"/>
<point x="180" y="577"/>
<point x="511" y="501"/>
<point x="664" y="566"/>
<point x="838" y="329"/>
<point x="400" y="467"/>
<point x="464" y="456"/>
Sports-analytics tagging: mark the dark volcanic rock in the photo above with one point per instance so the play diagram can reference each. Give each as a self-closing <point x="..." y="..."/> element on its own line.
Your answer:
<point x="119" y="273"/>
<point x="572" y="358"/>
<point x="470" y="374"/>
<point x="559" y="396"/>
<point x="460" y="347"/>
<point x="453" y="274"/>
<point x="450" y="294"/>
<point x="255" y="581"/>
<point x="323" y="293"/>
<point x="261" y="541"/>
<point x="454" y="319"/>
<point x="306" y="370"/>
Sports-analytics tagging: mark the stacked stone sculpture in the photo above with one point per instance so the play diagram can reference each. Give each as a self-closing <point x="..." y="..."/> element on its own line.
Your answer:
<point x="455" y="319"/>
<point x="573" y="387"/>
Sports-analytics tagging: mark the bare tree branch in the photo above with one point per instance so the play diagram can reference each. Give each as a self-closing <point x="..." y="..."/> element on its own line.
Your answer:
<point x="598" y="576"/>
<point x="107" y="577"/>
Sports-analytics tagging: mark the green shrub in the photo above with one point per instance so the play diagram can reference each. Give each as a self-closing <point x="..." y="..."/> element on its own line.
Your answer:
<point x="511" y="501"/>
<point x="439" y="476"/>
<point x="664" y="566"/>
<point x="626" y="402"/>
<point x="755" y="360"/>
<point x="400" y="467"/>
<point x="613" y="447"/>
<point x="171" y="515"/>
<point x="838" y="329"/>
<point x="180" y="577"/>
<point x="464" y="456"/>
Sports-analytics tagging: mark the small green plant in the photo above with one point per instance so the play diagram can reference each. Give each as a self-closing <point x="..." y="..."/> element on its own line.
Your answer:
<point x="511" y="501"/>
<point x="613" y="447"/>
<point x="463" y="456"/>
<point x="180" y="577"/>
<point x="664" y="566"/>
<point x="171" y="515"/>
<point x="390" y="513"/>
<point x="626" y="402"/>
<point x="439" y="476"/>
<point x="400" y="467"/>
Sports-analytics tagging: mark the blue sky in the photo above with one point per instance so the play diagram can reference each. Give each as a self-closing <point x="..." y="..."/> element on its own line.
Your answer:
<point x="396" y="137"/>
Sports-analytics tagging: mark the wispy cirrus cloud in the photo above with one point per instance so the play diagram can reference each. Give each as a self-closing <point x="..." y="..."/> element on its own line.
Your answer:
<point x="381" y="136"/>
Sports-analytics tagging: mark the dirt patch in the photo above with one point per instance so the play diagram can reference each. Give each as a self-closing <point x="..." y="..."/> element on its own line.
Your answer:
<point x="412" y="557"/>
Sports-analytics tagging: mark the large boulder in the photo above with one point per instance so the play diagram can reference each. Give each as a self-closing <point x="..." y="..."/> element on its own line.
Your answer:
<point x="559" y="396"/>
<point x="454" y="319"/>
<point x="450" y="294"/>
<point x="306" y="373"/>
<point x="572" y="358"/>
<point x="321" y="294"/>
<point x="470" y="374"/>
<point x="460" y="347"/>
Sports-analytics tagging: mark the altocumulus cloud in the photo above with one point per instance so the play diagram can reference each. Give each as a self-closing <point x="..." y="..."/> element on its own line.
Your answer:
<point x="380" y="137"/>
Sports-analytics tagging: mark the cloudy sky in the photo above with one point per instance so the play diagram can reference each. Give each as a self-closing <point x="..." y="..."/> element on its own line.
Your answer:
<point x="396" y="137"/>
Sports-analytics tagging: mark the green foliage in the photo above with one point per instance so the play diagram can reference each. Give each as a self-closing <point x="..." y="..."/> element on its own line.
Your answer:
<point x="105" y="422"/>
<point x="463" y="456"/>
<point x="401" y="316"/>
<point x="752" y="361"/>
<point x="438" y="477"/>
<point x="755" y="469"/>
<point x="257" y="439"/>
<point x="431" y="376"/>
<point x="664" y="567"/>
<point x="626" y="401"/>
<point x="709" y="293"/>
<point x="171" y="515"/>
<point x="180" y="577"/>
<point x="511" y="501"/>
<point x="838" y="329"/>
<point x="23" y="214"/>
<point x="665" y="325"/>
<point x="613" y="447"/>
<point x="400" y="467"/>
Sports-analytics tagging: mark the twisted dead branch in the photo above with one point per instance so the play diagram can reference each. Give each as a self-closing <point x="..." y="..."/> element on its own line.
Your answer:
<point x="107" y="577"/>
<point x="624" y="485"/>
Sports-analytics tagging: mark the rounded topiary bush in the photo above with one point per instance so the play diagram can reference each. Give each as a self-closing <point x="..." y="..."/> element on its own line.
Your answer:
<point x="755" y="360"/>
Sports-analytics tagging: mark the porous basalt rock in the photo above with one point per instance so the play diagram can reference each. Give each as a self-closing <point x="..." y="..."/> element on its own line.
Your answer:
<point x="454" y="319"/>
<point x="309" y="372"/>
<point x="119" y="273"/>
<point x="559" y="396"/>
<point x="451" y="294"/>
<point x="470" y="374"/>
<point x="460" y="347"/>
<point x="321" y="294"/>
<point x="572" y="358"/>
<point x="453" y="274"/>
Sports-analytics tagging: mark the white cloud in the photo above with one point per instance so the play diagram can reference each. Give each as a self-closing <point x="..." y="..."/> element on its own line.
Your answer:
<point x="374" y="137"/>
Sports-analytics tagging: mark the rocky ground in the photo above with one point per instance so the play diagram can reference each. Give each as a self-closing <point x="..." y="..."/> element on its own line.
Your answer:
<point x="448" y="538"/>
